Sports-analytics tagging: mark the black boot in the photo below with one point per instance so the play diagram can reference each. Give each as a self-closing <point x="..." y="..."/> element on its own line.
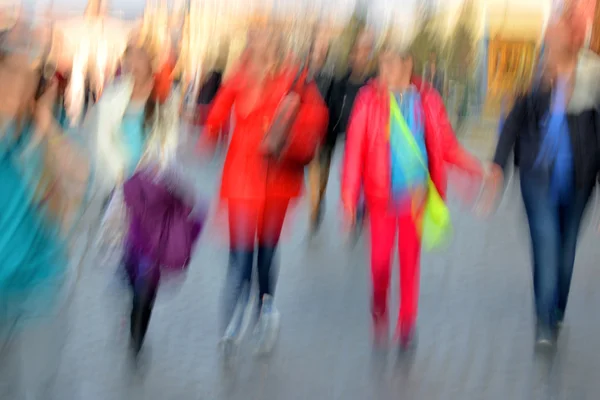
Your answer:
<point x="143" y="302"/>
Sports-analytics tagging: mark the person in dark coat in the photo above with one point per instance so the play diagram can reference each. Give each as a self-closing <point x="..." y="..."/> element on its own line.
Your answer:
<point x="206" y="95"/>
<point x="325" y="82"/>
<point x="556" y="130"/>
<point x="340" y="103"/>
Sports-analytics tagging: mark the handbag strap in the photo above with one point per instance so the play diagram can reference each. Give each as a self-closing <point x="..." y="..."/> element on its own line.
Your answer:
<point x="299" y="81"/>
<point x="406" y="131"/>
<point x="302" y="75"/>
<point x="395" y="113"/>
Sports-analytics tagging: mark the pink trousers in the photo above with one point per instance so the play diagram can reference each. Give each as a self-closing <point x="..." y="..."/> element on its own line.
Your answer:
<point x="384" y="226"/>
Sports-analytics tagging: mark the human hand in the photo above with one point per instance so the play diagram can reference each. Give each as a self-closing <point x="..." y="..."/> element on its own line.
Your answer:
<point x="205" y="147"/>
<point x="493" y="181"/>
<point x="349" y="218"/>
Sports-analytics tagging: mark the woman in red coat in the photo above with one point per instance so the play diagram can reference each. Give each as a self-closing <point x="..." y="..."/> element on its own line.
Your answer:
<point x="376" y="159"/>
<point x="257" y="189"/>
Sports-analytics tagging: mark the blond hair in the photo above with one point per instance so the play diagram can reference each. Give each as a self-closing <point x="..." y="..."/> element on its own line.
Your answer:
<point x="394" y="42"/>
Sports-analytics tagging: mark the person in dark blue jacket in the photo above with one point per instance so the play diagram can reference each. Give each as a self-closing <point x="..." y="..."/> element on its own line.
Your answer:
<point x="340" y="101"/>
<point x="554" y="125"/>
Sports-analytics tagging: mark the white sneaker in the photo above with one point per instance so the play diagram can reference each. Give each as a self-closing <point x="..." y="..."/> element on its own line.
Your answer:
<point x="248" y="317"/>
<point x="267" y="329"/>
<point x="238" y="326"/>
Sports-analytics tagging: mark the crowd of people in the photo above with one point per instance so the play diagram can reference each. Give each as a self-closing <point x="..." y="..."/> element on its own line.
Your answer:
<point x="119" y="174"/>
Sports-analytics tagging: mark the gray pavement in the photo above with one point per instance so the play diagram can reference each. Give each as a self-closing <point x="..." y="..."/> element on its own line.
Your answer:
<point x="475" y="324"/>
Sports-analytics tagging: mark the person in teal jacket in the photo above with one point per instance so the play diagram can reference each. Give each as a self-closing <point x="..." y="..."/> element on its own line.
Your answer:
<point x="34" y="252"/>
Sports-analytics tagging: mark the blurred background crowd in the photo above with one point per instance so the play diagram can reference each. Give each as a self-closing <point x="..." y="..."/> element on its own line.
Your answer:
<point x="479" y="53"/>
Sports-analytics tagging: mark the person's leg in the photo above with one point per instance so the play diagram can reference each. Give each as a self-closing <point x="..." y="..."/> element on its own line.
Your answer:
<point x="409" y="250"/>
<point x="543" y="218"/>
<point x="242" y="232"/>
<point x="145" y="288"/>
<point x="314" y="187"/>
<point x="319" y="176"/>
<point x="130" y="264"/>
<point x="570" y="221"/>
<point x="361" y="216"/>
<point x="269" y="231"/>
<point x="383" y="233"/>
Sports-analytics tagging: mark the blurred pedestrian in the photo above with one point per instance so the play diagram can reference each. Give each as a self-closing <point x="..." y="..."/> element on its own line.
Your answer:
<point x="554" y="126"/>
<point x="399" y="142"/>
<point x="149" y="224"/>
<point x="261" y="177"/>
<point x="38" y="213"/>
<point x="317" y="175"/>
<point x="340" y="104"/>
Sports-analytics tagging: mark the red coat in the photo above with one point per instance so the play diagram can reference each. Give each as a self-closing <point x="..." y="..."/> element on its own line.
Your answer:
<point x="247" y="174"/>
<point x="367" y="164"/>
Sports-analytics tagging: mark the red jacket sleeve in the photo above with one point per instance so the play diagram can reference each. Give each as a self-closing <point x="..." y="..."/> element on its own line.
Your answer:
<point x="308" y="128"/>
<point x="220" y="110"/>
<point x="354" y="154"/>
<point x="453" y="153"/>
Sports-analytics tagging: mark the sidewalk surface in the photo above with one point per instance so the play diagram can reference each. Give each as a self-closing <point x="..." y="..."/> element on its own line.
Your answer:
<point x="475" y="326"/>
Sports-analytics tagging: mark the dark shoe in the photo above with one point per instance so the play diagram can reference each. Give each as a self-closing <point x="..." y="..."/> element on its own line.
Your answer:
<point x="545" y="337"/>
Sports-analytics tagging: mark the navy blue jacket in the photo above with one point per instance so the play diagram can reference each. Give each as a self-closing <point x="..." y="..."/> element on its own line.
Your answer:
<point x="523" y="126"/>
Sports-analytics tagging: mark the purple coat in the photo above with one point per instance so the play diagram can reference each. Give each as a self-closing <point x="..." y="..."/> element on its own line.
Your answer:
<point x="163" y="226"/>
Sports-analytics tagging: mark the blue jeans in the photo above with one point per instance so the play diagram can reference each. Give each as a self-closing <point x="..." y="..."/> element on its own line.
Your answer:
<point x="252" y="231"/>
<point x="554" y="228"/>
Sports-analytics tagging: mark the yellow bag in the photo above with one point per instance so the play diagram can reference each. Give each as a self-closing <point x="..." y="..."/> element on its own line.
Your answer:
<point x="435" y="226"/>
